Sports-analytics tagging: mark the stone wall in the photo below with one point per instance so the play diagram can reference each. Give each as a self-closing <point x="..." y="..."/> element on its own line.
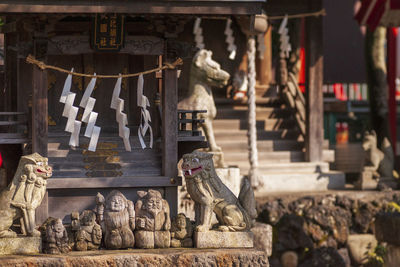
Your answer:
<point x="318" y="226"/>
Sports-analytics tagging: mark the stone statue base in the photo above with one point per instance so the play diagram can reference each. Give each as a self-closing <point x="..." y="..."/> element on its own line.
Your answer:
<point x="217" y="239"/>
<point x="366" y="181"/>
<point x="20" y="245"/>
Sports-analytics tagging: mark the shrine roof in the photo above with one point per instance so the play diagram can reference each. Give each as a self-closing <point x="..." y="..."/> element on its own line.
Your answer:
<point x="189" y="7"/>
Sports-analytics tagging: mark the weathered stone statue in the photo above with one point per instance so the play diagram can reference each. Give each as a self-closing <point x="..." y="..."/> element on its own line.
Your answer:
<point x="88" y="233"/>
<point x="152" y="220"/>
<point x="118" y="220"/>
<point x="211" y="195"/>
<point x="181" y="232"/>
<point x="205" y="73"/>
<point x="381" y="160"/>
<point x="25" y="193"/>
<point x="56" y="238"/>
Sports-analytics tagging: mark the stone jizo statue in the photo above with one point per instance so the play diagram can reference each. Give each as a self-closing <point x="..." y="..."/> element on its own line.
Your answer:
<point x="205" y="73"/>
<point x="211" y="195"/>
<point x="24" y="194"/>
<point x="56" y="239"/>
<point x="181" y="232"/>
<point x="118" y="220"/>
<point x="88" y="233"/>
<point x="152" y="220"/>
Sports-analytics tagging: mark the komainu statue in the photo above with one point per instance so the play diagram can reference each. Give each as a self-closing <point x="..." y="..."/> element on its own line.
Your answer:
<point x="381" y="160"/>
<point x="211" y="195"/>
<point x="205" y="73"/>
<point x="181" y="232"/>
<point x="88" y="233"/>
<point x="118" y="220"/>
<point x="152" y="220"/>
<point x="24" y="194"/>
<point x="56" y="238"/>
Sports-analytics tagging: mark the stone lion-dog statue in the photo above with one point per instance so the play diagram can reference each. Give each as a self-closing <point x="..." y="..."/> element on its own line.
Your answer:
<point x="205" y="73"/>
<point x="211" y="195"/>
<point x="24" y="194"/>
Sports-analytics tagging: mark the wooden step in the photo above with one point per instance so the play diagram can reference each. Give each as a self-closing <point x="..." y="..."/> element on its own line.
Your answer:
<point x="268" y="124"/>
<point x="261" y="113"/>
<point x="261" y="135"/>
<point x="229" y="146"/>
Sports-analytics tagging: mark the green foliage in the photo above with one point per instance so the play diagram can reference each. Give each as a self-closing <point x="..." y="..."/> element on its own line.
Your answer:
<point x="376" y="257"/>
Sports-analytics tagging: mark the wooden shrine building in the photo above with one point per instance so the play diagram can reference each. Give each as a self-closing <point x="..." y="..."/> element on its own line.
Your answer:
<point x="137" y="36"/>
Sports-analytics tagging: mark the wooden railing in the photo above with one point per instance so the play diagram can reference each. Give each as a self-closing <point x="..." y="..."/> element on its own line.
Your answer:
<point x="188" y="126"/>
<point x="295" y="99"/>
<point x="13" y="128"/>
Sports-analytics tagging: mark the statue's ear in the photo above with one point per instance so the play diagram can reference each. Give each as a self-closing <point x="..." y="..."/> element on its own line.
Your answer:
<point x="141" y="194"/>
<point x="200" y="58"/>
<point x="373" y="133"/>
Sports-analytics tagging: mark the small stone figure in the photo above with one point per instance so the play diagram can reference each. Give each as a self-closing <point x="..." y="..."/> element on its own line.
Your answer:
<point x="118" y="220"/>
<point x="152" y="220"/>
<point x="211" y="195"/>
<point x="24" y="194"/>
<point x="87" y="232"/>
<point x="181" y="232"/>
<point x="56" y="239"/>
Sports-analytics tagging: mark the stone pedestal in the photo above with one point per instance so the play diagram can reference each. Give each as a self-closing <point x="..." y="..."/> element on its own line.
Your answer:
<point x="263" y="237"/>
<point x="20" y="245"/>
<point x="366" y="181"/>
<point x="216" y="239"/>
<point x="135" y="257"/>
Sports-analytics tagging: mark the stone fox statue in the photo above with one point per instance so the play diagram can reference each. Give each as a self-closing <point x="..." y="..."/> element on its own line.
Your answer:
<point x="205" y="73"/>
<point x="24" y="194"/>
<point x="211" y="195"/>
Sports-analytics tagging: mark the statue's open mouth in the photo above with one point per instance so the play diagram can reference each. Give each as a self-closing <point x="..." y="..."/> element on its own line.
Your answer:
<point x="39" y="170"/>
<point x="193" y="171"/>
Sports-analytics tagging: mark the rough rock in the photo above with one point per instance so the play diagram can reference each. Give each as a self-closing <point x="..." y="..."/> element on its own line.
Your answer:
<point x="387" y="228"/>
<point x="359" y="246"/>
<point x="327" y="257"/>
<point x="141" y="258"/>
<point x="20" y="245"/>
<point x="363" y="217"/>
<point x="217" y="239"/>
<point x="345" y="255"/>
<point x="263" y="237"/>
<point x="289" y="259"/>
<point x="273" y="211"/>
<point x="291" y="234"/>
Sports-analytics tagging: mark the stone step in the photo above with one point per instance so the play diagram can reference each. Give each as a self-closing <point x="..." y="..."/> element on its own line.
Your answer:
<point x="267" y="124"/>
<point x="261" y="135"/>
<point x="229" y="146"/>
<point x="299" y="182"/>
<point x="282" y="167"/>
<point x="262" y="113"/>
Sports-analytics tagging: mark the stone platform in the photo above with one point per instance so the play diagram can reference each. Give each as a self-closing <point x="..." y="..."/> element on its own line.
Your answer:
<point x="217" y="239"/>
<point x="143" y="257"/>
<point x="20" y="245"/>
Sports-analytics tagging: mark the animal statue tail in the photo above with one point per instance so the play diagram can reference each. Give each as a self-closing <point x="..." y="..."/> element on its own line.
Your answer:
<point x="247" y="200"/>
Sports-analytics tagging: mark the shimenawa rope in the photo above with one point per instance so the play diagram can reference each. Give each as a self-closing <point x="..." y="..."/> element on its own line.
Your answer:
<point x="32" y="60"/>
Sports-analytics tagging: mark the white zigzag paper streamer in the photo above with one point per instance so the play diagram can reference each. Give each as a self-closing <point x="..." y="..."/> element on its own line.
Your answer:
<point x="118" y="104"/>
<point x="198" y="34"/>
<point x="284" y="38"/>
<point x="261" y="45"/>
<point x="73" y="126"/>
<point x="89" y="116"/>
<point x="145" y="118"/>
<point x="230" y="40"/>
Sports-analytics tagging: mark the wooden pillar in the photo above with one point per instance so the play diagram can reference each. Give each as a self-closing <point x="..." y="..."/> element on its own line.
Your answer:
<point x="314" y="81"/>
<point x="392" y="35"/>
<point x="264" y="65"/>
<point x="39" y="117"/>
<point x="170" y="135"/>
